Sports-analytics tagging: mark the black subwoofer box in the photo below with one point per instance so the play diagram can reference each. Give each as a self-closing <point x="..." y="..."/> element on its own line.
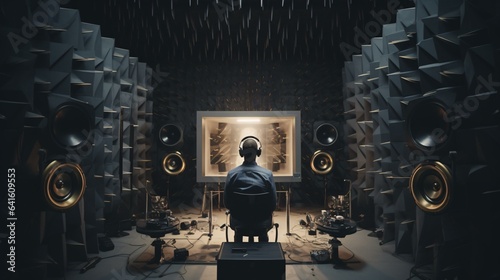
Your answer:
<point x="245" y="261"/>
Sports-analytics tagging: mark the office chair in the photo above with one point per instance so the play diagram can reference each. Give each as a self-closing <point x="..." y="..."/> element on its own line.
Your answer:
<point x="250" y="215"/>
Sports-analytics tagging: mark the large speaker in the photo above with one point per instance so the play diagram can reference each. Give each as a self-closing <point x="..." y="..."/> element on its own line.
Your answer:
<point x="428" y="126"/>
<point x="431" y="186"/>
<point x="428" y="123"/>
<point x="63" y="184"/>
<point x="65" y="140"/>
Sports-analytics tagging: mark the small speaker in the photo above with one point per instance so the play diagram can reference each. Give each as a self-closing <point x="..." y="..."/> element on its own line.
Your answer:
<point x="171" y="135"/>
<point x="431" y="186"/>
<point x="173" y="163"/>
<point x="321" y="162"/>
<point x="326" y="134"/>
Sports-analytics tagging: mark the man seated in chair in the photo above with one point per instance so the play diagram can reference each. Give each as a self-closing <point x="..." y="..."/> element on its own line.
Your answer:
<point x="255" y="182"/>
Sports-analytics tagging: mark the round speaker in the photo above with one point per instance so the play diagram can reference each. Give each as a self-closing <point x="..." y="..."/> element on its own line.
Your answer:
<point x="430" y="186"/>
<point x="170" y="134"/>
<point x="321" y="162"/>
<point x="63" y="184"/>
<point x="326" y="134"/>
<point x="173" y="163"/>
<point x="428" y="126"/>
<point x="71" y="126"/>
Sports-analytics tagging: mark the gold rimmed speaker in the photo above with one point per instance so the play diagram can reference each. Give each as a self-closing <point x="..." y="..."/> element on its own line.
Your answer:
<point x="325" y="134"/>
<point x="429" y="127"/>
<point x="173" y="163"/>
<point x="321" y="162"/>
<point x="170" y="135"/>
<point x="63" y="184"/>
<point x="431" y="186"/>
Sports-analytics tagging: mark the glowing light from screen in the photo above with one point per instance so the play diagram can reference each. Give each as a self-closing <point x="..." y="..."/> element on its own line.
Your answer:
<point x="248" y="120"/>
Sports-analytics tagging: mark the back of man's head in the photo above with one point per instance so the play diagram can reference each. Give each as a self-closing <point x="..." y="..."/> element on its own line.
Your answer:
<point x="249" y="148"/>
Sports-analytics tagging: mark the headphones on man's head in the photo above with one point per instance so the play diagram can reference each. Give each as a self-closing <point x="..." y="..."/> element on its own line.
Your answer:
<point x="259" y="148"/>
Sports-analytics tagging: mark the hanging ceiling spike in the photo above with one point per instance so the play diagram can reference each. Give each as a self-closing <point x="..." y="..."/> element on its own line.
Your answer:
<point x="256" y="37"/>
<point x="269" y="30"/>
<point x="272" y="13"/>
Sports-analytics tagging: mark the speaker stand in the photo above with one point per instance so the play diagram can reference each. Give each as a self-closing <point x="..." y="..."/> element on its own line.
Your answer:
<point x="336" y="260"/>
<point x="325" y="183"/>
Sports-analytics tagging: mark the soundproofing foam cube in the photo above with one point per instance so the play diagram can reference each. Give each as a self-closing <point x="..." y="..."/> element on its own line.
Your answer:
<point x="67" y="28"/>
<point x="438" y="75"/>
<point x="405" y="20"/>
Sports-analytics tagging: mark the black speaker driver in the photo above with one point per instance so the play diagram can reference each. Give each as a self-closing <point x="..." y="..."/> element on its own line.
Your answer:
<point x="71" y="126"/>
<point x="326" y="134"/>
<point x="430" y="186"/>
<point x="429" y="126"/>
<point x="63" y="184"/>
<point x="174" y="163"/>
<point x="170" y="134"/>
<point x="321" y="162"/>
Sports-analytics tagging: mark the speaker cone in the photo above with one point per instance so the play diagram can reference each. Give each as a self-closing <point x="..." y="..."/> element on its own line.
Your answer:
<point x="170" y="134"/>
<point x="430" y="186"/>
<point x="63" y="184"/>
<point x="321" y="162"/>
<point x="71" y="126"/>
<point x="173" y="163"/>
<point x="429" y="127"/>
<point x="326" y="134"/>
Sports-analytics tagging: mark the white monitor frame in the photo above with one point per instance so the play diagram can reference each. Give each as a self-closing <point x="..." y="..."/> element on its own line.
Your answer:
<point x="218" y="135"/>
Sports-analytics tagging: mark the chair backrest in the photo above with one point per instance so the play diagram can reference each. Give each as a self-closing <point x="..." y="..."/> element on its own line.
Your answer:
<point x="252" y="207"/>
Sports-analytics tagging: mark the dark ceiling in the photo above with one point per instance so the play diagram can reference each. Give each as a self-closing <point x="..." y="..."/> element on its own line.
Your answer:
<point x="159" y="31"/>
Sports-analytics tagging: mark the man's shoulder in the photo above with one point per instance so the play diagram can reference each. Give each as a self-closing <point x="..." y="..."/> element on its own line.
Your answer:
<point x="264" y="170"/>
